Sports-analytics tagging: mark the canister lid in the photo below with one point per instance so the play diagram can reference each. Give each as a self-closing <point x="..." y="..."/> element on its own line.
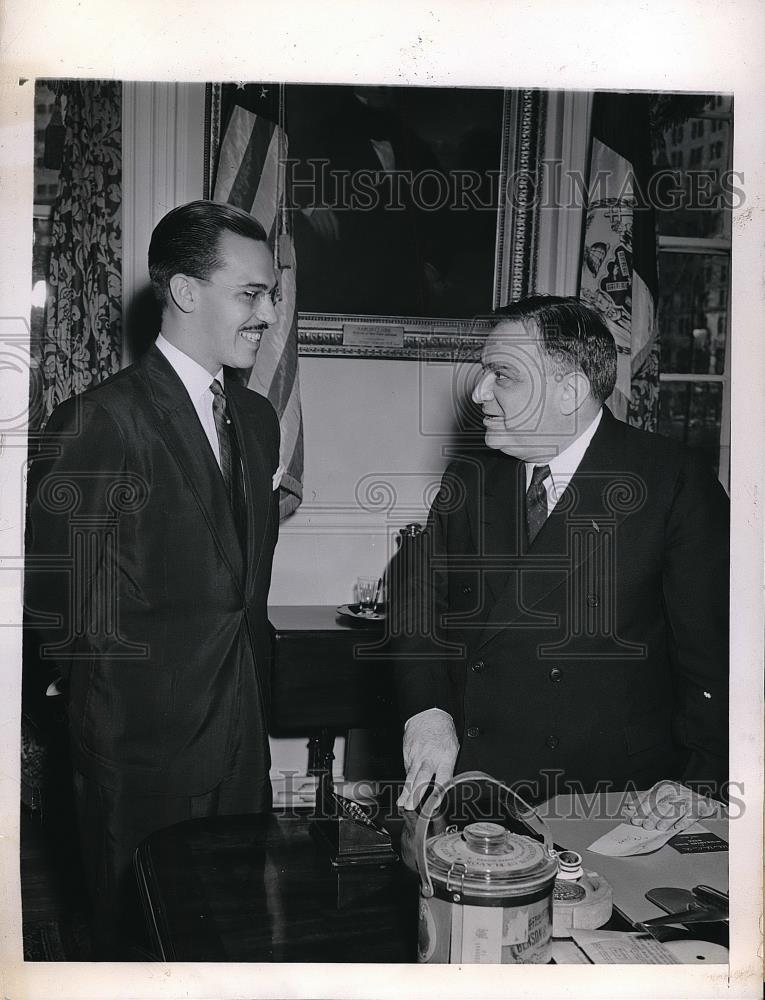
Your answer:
<point x="488" y="854"/>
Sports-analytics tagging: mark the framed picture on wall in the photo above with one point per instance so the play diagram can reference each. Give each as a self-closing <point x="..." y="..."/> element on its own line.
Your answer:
<point x="400" y="206"/>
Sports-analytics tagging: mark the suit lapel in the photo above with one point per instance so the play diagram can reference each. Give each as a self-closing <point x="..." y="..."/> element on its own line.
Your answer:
<point x="502" y="535"/>
<point x="257" y="473"/>
<point x="187" y="443"/>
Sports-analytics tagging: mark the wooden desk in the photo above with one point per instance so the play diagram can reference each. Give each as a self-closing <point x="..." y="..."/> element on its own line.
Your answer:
<point x="323" y="684"/>
<point x="259" y="889"/>
<point x="320" y="675"/>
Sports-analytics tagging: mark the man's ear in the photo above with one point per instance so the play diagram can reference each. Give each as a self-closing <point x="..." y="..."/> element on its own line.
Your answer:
<point x="183" y="292"/>
<point x="575" y="391"/>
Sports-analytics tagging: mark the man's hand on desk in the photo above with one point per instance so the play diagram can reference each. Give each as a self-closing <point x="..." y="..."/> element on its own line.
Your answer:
<point x="430" y="748"/>
<point x="669" y="806"/>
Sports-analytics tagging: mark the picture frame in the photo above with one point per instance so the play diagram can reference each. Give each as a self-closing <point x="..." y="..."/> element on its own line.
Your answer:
<point x="496" y="227"/>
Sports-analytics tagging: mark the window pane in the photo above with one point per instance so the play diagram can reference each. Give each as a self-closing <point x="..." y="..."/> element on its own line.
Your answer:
<point x="720" y="102"/>
<point x="693" y="194"/>
<point x="693" y="311"/>
<point x="46" y="178"/>
<point x="40" y="261"/>
<point x="690" y="412"/>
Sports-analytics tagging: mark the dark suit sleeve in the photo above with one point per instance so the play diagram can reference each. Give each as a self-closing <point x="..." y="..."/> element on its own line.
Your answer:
<point x="424" y="661"/>
<point x="695" y="584"/>
<point x="73" y="490"/>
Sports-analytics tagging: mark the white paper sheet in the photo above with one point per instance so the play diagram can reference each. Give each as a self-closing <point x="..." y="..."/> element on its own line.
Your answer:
<point x="626" y="840"/>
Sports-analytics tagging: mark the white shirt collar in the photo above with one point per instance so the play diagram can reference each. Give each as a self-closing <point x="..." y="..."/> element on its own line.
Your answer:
<point x="564" y="465"/>
<point x="195" y="378"/>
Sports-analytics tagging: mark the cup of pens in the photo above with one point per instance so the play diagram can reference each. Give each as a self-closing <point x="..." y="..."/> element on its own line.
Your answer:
<point x="368" y="594"/>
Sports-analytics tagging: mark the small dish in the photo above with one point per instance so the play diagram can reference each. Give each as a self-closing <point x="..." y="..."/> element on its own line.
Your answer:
<point x="354" y="611"/>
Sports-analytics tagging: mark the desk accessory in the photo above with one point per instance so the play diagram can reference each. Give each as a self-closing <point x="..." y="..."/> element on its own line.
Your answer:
<point x="702" y="904"/>
<point x="581" y="899"/>
<point x="345" y="828"/>
<point x="485" y="893"/>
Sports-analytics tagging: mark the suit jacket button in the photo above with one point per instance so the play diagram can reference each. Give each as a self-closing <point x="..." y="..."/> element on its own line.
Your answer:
<point x="467" y="589"/>
<point x="552" y="742"/>
<point x="478" y="666"/>
<point x="593" y="600"/>
<point x="556" y="675"/>
<point x="473" y="731"/>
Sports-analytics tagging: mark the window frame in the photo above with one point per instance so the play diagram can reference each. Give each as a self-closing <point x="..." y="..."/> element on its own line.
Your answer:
<point x="712" y="246"/>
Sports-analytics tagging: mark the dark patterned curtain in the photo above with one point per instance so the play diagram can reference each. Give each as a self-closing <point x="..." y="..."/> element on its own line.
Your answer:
<point x="80" y="346"/>
<point x="82" y="341"/>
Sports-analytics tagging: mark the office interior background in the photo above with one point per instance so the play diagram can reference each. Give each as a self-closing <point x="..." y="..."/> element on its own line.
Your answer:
<point x="369" y="419"/>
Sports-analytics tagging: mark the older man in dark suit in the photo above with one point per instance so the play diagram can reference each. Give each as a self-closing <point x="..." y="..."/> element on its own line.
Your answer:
<point x="153" y="518"/>
<point x="575" y="578"/>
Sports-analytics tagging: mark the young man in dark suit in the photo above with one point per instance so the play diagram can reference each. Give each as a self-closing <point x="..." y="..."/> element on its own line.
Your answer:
<point x="153" y="516"/>
<point x="575" y="577"/>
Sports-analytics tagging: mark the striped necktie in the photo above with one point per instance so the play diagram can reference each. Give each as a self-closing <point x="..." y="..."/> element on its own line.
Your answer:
<point x="536" y="501"/>
<point x="230" y="459"/>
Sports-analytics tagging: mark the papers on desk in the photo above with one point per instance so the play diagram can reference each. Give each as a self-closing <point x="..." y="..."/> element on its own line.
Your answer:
<point x="625" y="840"/>
<point x="633" y="948"/>
<point x="623" y="948"/>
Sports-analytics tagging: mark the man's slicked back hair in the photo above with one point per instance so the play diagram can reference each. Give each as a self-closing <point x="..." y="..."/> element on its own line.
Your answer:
<point x="187" y="241"/>
<point x="572" y="334"/>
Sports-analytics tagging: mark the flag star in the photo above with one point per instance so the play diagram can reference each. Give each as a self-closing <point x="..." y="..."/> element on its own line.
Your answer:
<point x="240" y="85"/>
<point x="263" y="92"/>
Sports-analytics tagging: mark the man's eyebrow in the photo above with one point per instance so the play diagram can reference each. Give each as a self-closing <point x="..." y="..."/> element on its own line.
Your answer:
<point x="495" y="366"/>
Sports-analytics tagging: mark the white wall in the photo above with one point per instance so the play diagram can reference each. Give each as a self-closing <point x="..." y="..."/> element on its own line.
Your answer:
<point x="162" y="166"/>
<point x="376" y="433"/>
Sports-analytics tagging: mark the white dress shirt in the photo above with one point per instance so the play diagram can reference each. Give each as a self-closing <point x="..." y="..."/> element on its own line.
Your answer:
<point x="563" y="466"/>
<point x="197" y="381"/>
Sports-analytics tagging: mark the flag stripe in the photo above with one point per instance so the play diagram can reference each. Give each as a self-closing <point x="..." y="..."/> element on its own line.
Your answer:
<point x="293" y="422"/>
<point x="249" y="175"/>
<point x="232" y="150"/>
<point x="264" y="206"/>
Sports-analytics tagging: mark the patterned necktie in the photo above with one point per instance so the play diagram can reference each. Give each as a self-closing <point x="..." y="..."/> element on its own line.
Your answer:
<point x="230" y="459"/>
<point x="536" y="501"/>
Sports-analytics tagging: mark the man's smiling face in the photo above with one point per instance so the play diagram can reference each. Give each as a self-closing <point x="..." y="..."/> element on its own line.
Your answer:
<point x="235" y="304"/>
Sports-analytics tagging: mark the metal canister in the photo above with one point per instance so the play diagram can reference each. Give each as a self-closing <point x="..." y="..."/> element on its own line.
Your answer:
<point x="486" y="893"/>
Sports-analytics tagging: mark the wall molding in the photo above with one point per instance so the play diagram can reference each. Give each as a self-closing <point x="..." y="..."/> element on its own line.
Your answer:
<point x="349" y="519"/>
<point x="162" y="166"/>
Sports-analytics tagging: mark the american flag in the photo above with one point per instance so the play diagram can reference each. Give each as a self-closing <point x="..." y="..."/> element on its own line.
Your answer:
<point x="619" y="276"/>
<point x="251" y="175"/>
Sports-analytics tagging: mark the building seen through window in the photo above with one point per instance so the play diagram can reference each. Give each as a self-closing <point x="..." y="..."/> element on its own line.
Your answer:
<point x="694" y="269"/>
